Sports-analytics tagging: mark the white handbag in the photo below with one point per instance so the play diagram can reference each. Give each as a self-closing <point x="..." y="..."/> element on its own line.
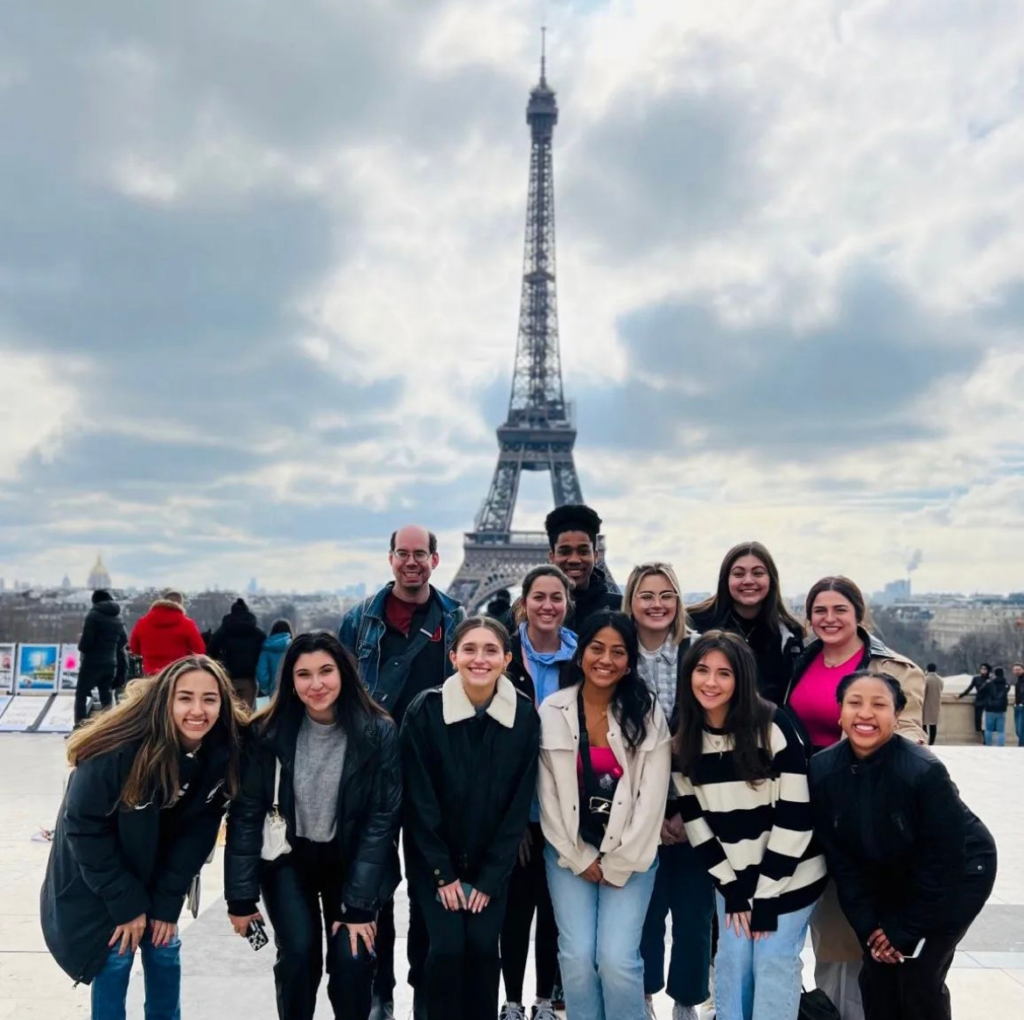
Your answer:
<point x="275" y="830"/>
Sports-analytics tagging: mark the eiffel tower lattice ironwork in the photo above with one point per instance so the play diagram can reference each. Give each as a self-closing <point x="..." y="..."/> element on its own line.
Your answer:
<point x="540" y="431"/>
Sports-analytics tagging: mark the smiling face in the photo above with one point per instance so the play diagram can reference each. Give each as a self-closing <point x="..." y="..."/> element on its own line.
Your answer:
<point x="574" y="554"/>
<point x="605" y="660"/>
<point x="480" y="659"/>
<point x="195" y="706"/>
<point x="654" y="604"/>
<point x="868" y="715"/>
<point x="749" y="582"/>
<point x="833" y="619"/>
<point x="317" y="684"/>
<point x="714" y="683"/>
<point x="546" y="605"/>
<point x="412" y="562"/>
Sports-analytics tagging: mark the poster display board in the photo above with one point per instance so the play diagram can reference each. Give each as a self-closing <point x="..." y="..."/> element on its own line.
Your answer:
<point x="22" y="714"/>
<point x="36" y="670"/>
<point x="59" y="718"/>
<point x="7" y="651"/>
<point x="70" y="662"/>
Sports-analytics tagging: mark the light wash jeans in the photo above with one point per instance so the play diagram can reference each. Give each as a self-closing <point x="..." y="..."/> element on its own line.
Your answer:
<point x="161" y="969"/>
<point x="599" y="930"/>
<point x="995" y="729"/>
<point x="760" y="980"/>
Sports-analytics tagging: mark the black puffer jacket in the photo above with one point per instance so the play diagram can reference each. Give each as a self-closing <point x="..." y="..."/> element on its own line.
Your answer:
<point x="108" y="864"/>
<point x="369" y="810"/>
<point x="994" y="695"/>
<point x="900" y="844"/>
<point x="599" y="594"/>
<point x="237" y="643"/>
<point x="104" y="644"/>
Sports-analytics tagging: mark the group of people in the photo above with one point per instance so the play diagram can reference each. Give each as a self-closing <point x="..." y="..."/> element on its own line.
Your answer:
<point x="991" y="702"/>
<point x="608" y="760"/>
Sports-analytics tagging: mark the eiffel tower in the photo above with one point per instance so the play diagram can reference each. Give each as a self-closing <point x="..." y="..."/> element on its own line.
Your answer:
<point x="540" y="430"/>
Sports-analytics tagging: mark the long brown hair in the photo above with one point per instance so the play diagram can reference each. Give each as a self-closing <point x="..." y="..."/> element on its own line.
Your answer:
<point x="720" y="604"/>
<point x="145" y="715"/>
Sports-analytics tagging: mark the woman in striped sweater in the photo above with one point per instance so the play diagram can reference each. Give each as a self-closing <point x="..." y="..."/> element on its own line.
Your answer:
<point x="742" y="782"/>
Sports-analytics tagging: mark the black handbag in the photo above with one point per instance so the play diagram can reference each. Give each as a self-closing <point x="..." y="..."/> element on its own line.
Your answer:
<point x="816" y="1005"/>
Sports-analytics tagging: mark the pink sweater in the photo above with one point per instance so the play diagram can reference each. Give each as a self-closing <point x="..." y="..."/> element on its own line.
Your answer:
<point x="814" y="698"/>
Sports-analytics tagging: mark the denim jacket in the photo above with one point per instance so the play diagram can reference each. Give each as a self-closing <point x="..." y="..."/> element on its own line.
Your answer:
<point x="363" y="628"/>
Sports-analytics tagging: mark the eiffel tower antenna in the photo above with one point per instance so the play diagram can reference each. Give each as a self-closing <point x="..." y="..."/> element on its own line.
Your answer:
<point x="539" y="432"/>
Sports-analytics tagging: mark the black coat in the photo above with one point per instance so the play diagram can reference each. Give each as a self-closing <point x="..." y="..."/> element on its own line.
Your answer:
<point x="994" y="695"/>
<point x="467" y="805"/>
<point x="599" y="594"/>
<point x="776" y="651"/>
<point x="237" y="644"/>
<point x="108" y="864"/>
<point x="369" y="808"/>
<point x="104" y="644"/>
<point x="904" y="850"/>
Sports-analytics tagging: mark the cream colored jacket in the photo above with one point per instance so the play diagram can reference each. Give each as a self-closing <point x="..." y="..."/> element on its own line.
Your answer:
<point x="634" y="826"/>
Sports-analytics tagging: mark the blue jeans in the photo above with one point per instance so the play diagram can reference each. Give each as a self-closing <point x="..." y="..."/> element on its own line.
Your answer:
<point x="995" y="729"/>
<point x="161" y="968"/>
<point x="599" y="930"/>
<point x="683" y="887"/>
<point x="1018" y="723"/>
<point x="760" y="980"/>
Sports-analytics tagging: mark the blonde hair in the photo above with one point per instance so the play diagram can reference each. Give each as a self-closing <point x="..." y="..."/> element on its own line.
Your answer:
<point x="145" y="716"/>
<point x="641" y="573"/>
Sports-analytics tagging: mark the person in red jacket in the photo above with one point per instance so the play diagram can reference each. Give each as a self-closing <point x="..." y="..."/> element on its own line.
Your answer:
<point x="165" y="634"/>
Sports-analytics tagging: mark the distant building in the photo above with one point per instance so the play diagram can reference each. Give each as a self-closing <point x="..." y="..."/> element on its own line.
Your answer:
<point x="99" y="577"/>
<point x="894" y="591"/>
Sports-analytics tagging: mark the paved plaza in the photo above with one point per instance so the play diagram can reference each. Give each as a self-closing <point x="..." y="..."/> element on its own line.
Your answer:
<point x="223" y="977"/>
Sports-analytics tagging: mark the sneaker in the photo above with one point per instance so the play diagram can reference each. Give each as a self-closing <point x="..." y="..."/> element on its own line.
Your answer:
<point x="512" y="1011"/>
<point x="543" y="1009"/>
<point x="649" y="1013"/>
<point x="681" y="1012"/>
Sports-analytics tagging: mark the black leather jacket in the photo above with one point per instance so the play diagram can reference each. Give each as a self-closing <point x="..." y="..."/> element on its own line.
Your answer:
<point x="369" y="809"/>
<point x="901" y="845"/>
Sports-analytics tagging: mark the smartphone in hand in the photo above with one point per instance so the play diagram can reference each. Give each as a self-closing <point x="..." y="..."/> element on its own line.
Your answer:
<point x="256" y="933"/>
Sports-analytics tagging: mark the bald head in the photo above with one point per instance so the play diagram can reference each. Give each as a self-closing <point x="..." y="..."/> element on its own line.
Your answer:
<point x="413" y="557"/>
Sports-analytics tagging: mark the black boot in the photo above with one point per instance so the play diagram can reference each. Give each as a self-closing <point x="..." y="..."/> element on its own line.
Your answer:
<point x="381" y="1009"/>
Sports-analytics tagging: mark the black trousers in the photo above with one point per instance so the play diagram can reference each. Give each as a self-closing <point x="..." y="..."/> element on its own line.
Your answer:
<point x="933" y="732"/>
<point x="528" y="894"/>
<point x="979" y="718"/>
<point x="103" y="682"/>
<point x="295" y="894"/>
<point x="416" y="949"/>
<point x="463" y="967"/>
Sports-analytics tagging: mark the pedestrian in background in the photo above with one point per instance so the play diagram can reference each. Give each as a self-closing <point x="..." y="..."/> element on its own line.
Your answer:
<point x="604" y="776"/>
<point x="977" y="682"/>
<point x="933" y="687"/>
<point x="268" y="667"/>
<point x="237" y="644"/>
<point x="104" y="649"/>
<point x="748" y="601"/>
<point x="994" y="697"/>
<point x="326" y="757"/>
<point x="140" y="816"/>
<point x="1018" y="702"/>
<point x="165" y="634"/>
<point x="682" y="885"/>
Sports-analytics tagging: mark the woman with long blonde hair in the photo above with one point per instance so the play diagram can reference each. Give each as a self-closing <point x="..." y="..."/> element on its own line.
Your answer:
<point x="151" y="780"/>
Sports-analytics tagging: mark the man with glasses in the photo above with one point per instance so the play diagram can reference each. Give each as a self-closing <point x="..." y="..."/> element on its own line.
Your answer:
<point x="401" y="638"/>
<point x="572" y="536"/>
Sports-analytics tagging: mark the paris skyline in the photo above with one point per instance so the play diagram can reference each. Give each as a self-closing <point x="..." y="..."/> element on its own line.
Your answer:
<point x="259" y="284"/>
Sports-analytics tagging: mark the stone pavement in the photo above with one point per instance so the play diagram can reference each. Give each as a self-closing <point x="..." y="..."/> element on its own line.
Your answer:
<point x="224" y="977"/>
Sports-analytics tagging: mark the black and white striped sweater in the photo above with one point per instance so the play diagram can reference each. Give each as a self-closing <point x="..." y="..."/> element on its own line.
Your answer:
<point x="756" y="841"/>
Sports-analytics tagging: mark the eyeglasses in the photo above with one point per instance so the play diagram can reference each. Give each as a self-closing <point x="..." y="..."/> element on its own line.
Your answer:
<point x="404" y="555"/>
<point x="649" y="598"/>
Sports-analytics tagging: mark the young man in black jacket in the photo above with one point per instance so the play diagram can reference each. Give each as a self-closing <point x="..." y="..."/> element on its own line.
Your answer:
<point x="977" y="682"/>
<point x="104" y="648"/>
<point x="572" y="536"/>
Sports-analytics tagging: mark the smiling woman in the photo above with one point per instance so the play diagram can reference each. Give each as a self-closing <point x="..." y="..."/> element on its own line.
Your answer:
<point x="140" y="816"/>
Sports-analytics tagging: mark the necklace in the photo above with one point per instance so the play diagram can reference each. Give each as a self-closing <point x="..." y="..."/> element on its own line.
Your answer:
<point x="841" y="662"/>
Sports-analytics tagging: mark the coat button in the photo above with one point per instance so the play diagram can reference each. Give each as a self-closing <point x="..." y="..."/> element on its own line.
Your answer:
<point x="437" y="871"/>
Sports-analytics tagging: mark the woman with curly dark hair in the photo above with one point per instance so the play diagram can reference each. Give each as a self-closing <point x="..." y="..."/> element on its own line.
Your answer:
<point x="604" y="776"/>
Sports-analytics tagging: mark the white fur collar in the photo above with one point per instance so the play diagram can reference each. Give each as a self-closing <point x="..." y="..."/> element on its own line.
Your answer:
<point x="456" y="706"/>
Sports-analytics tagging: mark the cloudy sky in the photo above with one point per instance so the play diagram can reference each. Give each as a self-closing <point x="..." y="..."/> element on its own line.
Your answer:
<point x="259" y="280"/>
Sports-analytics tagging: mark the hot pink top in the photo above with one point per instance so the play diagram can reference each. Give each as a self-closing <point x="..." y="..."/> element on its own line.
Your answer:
<point x="814" y="698"/>
<point x="603" y="762"/>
